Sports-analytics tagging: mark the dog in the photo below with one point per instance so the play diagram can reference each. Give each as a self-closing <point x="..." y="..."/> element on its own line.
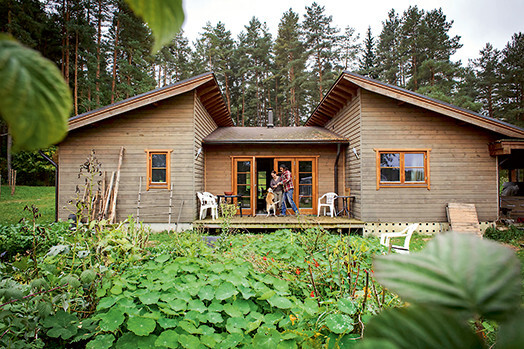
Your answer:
<point x="270" y="203"/>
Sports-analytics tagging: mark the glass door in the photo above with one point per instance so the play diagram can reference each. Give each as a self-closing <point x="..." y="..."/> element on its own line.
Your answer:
<point x="304" y="172"/>
<point x="243" y="182"/>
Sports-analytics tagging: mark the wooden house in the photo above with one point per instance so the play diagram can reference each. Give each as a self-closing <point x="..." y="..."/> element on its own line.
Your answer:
<point x="401" y="155"/>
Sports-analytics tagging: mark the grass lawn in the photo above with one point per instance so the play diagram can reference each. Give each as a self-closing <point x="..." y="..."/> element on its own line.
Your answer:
<point x="12" y="207"/>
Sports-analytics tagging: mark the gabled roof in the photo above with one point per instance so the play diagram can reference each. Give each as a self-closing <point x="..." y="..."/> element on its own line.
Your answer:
<point x="205" y="84"/>
<point x="274" y="135"/>
<point x="345" y="88"/>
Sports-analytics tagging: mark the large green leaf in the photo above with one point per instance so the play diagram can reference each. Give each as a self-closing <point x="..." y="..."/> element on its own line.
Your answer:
<point x="111" y="320"/>
<point x="225" y="291"/>
<point x="511" y="333"/>
<point x="102" y="341"/>
<point x="164" y="17"/>
<point x="339" y="323"/>
<point x="456" y="271"/>
<point x="62" y="324"/>
<point x="420" y="327"/>
<point x="35" y="101"/>
<point x="168" y="339"/>
<point x="280" y="302"/>
<point x="141" y="326"/>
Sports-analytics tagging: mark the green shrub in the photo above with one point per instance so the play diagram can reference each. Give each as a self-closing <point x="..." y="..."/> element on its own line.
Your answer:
<point x="511" y="235"/>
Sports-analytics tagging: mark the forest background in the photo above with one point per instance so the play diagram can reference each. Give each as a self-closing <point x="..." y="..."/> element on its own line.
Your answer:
<point x="104" y="54"/>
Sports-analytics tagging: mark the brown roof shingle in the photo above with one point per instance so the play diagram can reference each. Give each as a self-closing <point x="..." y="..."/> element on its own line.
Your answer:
<point x="301" y="134"/>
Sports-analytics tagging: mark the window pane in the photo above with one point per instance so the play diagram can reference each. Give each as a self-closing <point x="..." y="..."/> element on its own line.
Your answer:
<point x="390" y="175"/>
<point x="415" y="175"/>
<point x="390" y="160"/>
<point x="158" y="176"/>
<point x="414" y="160"/>
<point x="305" y="190"/>
<point x="158" y="160"/>
<point x="305" y="166"/>
<point x="287" y="163"/>
<point x="246" y="203"/>
<point x="305" y="202"/>
<point x="244" y="178"/>
<point x="244" y="190"/>
<point x="304" y="178"/>
<point x="244" y="166"/>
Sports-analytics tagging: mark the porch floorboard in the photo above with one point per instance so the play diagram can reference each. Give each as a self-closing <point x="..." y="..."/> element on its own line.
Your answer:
<point x="261" y="222"/>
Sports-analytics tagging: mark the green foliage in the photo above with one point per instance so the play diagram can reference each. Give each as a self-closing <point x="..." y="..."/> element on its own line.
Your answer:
<point x="34" y="100"/>
<point x="455" y="279"/>
<point x="164" y="17"/>
<point x="512" y="234"/>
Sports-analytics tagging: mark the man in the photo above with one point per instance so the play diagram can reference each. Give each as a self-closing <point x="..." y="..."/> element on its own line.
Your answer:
<point x="287" y="183"/>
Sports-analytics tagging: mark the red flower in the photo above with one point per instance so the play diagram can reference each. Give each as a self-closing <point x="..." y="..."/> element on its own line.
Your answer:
<point x="316" y="263"/>
<point x="312" y="294"/>
<point x="298" y="271"/>
<point x="264" y="258"/>
<point x="272" y="259"/>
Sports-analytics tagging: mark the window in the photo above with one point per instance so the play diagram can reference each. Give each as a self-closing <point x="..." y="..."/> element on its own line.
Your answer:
<point x="158" y="169"/>
<point x="403" y="168"/>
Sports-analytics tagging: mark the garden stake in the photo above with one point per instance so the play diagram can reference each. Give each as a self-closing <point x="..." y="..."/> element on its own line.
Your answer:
<point x="349" y="276"/>
<point x="365" y="292"/>
<point x="383" y="295"/>
<point x="314" y="287"/>
<point x="375" y="292"/>
<point x="356" y="279"/>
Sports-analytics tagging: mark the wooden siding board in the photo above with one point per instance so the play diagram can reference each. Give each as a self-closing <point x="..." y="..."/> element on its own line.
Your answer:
<point x="347" y="124"/>
<point x="168" y="125"/>
<point x="461" y="168"/>
<point x="204" y="125"/>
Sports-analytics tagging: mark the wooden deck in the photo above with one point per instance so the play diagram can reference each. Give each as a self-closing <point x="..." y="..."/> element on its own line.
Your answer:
<point x="262" y="222"/>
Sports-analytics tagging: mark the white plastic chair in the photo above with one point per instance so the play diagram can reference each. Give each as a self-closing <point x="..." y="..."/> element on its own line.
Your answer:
<point x="208" y="200"/>
<point x="406" y="234"/>
<point x="330" y="202"/>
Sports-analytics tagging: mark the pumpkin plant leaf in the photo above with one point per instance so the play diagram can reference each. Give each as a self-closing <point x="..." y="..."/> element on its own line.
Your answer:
<point x="141" y="326"/>
<point x="102" y="341"/>
<point x="225" y="291"/>
<point x="35" y="101"/>
<point x="339" y="323"/>
<point x="280" y="302"/>
<point x="111" y="320"/>
<point x="164" y="17"/>
<point x="459" y="272"/>
<point x="168" y="339"/>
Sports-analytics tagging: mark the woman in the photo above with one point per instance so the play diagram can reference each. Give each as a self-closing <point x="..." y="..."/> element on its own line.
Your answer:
<point x="276" y="185"/>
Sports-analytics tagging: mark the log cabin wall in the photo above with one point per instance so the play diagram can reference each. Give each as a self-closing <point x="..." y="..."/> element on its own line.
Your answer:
<point x="347" y="124"/>
<point x="461" y="168"/>
<point x="219" y="162"/>
<point x="164" y="125"/>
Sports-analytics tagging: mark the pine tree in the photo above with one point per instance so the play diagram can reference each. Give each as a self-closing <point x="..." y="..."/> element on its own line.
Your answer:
<point x="512" y="89"/>
<point x="290" y="61"/>
<point x="368" y="61"/>
<point x="349" y="49"/>
<point x="487" y="73"/>
<point x="322" y="39"/>
<point x="390" y="68"/>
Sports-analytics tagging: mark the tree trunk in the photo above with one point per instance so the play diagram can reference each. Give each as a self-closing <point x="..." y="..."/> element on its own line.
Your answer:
<point x="115" y="53"/>
<point x="76" y="74"/>
<point x="228" y="97"/>
<point x="319" y="76"/>
<point x="490" y="101"/>
<point x="9" y="157"/>
<point x="66" y="68"/>
<point x="98" y="49"/>
<point x="243" y="100"/>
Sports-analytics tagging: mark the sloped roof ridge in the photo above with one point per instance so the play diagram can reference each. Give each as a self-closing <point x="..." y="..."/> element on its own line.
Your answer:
<point x="419" y="95"/>
<point x="139" y="96"/>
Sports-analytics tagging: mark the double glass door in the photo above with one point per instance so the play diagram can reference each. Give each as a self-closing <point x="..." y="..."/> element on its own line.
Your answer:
<point x="304" y="173"/>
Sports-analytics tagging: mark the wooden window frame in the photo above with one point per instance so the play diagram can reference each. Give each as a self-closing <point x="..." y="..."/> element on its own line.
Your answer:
<point x="150" y="183"/>
<point x="402" y="183"/>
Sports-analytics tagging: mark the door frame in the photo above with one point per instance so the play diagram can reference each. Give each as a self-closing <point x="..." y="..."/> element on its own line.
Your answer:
<point x="235" y="160"/>
<point x="294" y="170"/>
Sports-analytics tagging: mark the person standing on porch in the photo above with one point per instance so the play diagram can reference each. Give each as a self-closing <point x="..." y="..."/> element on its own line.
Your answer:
<point x="276" y="185"/>
<point x="287" y="182"/>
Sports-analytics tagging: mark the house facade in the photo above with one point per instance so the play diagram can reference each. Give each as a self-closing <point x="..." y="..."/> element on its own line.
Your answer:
<point x="402" y="156"/>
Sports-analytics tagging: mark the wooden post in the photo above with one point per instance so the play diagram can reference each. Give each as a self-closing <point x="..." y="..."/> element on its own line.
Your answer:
<point x="107" y="198"/>
<point x="12" y="182"/>
<point x="170" y="203"/>
<point x="117" y="182"/>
